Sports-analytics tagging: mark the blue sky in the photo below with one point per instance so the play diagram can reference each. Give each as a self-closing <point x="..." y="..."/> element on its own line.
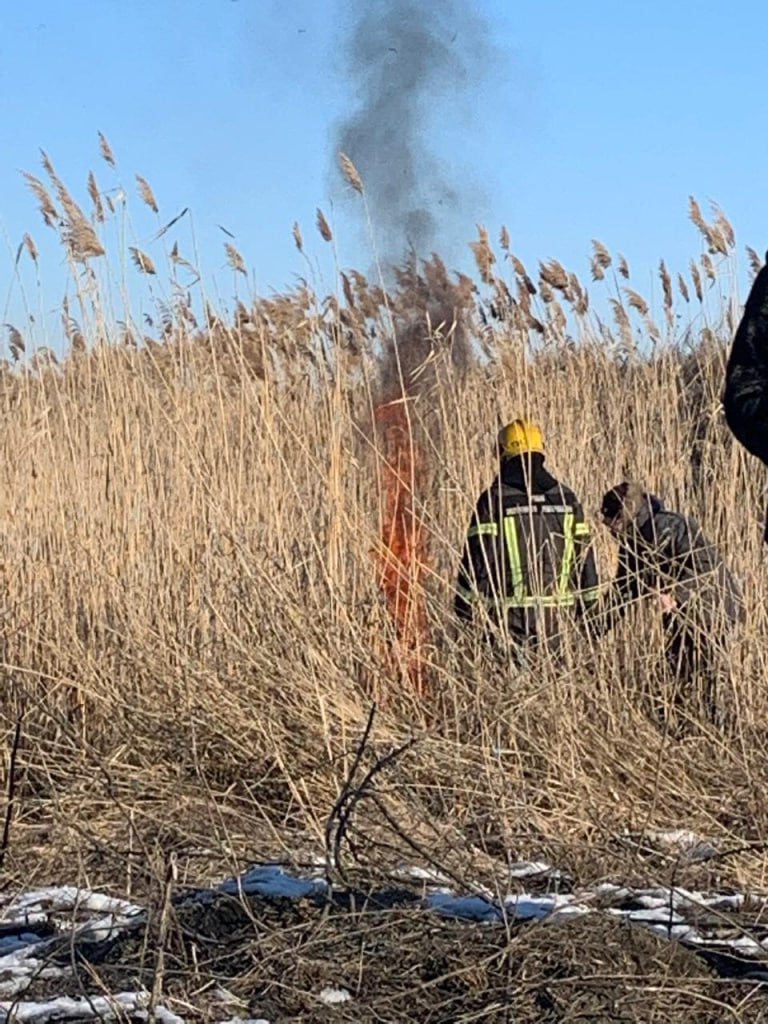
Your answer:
<point x="579" y="121"/>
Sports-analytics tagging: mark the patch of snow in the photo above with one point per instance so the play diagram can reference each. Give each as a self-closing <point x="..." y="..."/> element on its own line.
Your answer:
<point x="651" y="901"/>
<point x="68" y="906"/>
<point x="270" y="880"/>
<point x="683" y="841"/>
<point x="161" y="1014"/>
<point x="334" y="996"/>
<point x="417" y="874"/>
<point x="39" y="904"/>
<point x="468" y="908"/>
<point x="522" y="907"/>
<point x="734" y="901"/>
<point x="536" y="908"/>
<point x="650" y="915"/>
<point x="88" y="915"/>
<point x="678" y="932"/>
<point x="610" y="889"/>
<point x="84" y="1008"/>
<point x="739" y="944"/>
<point x="17" y="970"/>
<point x="561" y="911"/>
<point x="526" y="868"/>
<point x="12" y="943"/>
<point x="245" y="1020"/>
<point x="681" y="838"/>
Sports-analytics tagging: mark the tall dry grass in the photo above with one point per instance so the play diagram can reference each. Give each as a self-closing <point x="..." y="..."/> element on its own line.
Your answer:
<point x="193" y="630"/>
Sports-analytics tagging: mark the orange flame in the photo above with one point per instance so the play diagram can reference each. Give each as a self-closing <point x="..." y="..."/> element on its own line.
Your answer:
<point x="404" y="554"/>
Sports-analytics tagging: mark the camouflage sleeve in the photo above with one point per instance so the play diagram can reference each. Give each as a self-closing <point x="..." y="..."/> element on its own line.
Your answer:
<point x="693" y="565"/>
<point x="745" y="398"/>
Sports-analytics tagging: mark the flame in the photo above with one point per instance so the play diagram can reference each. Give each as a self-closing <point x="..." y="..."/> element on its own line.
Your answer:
<point x="404" y="551"/>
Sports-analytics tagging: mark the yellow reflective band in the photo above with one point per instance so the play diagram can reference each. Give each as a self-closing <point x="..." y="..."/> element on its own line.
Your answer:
<point x="589" y="596"/>
<point x="483" y="529"/>
<point x="472" y="597"/>
<point x="553" y="601"/>
<point x="581" y="530"/>
<point x="513" y="555"/>
<point x="568" y="552"/>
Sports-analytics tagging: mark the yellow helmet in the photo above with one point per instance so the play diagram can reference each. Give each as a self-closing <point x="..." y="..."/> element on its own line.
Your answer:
<point x="518" y="437"/>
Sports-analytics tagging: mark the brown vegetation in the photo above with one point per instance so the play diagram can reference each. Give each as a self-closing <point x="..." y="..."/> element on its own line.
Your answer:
<point x="193" y="623"/>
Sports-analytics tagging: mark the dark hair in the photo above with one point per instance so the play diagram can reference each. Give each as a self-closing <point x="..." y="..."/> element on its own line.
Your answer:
<point x="613" y="501"/>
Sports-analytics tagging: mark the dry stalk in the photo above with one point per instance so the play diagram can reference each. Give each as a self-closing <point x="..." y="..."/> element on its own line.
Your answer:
<point x="350" y="173"/>
<point x="163" y="922"/>
<point x="323" y="227"/>
<point x="95" y="194"/>
<point x="106" y="151"/>
<point x="696" y="278"/>
<point x="29" y="244"/>
<point x="146" y="193"/>
<point x="141" y="261"/>
<point x="188" y="522"/>
<point x="235" y="260"/>
<point x="601" y="258"/>
<point x="12" y="781"/>
<point x="553" y="273"/>
<point x="47" y="209"/>
<point x="484" y="255"/>
<point x="755" y="262"/>
<point x="636" y="301"/>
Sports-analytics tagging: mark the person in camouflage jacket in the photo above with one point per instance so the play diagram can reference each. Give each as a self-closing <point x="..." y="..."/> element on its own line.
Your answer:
<point x="745" y="399"/>
<point x="528" y="562"/>
<point x="666" y="555"/>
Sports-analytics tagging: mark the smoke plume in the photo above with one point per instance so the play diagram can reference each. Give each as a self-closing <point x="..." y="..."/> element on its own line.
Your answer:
<point x="412" y="66"/>
<point x="410" y="63"/>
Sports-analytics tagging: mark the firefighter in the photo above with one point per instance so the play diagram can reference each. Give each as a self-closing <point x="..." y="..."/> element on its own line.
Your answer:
<point x="746" y="378"/>
<point x="528" y="560"/>
<point x="666" y="556"/>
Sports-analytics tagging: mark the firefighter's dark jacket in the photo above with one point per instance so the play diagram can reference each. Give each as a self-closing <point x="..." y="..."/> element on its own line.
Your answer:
<point x="527" y="555"/>
<point x="745" y="399"/>
<point x="665" y="552"/>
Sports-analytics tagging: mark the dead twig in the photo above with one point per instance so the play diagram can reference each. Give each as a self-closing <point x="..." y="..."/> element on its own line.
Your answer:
<point x="10" y="793"/>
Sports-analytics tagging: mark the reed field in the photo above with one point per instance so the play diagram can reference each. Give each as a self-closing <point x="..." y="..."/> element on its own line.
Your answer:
<point x="229" y="546"/>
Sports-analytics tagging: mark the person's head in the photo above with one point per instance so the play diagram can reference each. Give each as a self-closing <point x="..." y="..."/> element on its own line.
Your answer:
<point x="623" y="504"/>
<point x="520" y="437"/>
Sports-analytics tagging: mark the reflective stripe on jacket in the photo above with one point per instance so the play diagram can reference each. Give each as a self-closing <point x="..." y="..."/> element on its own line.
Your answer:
<point x="527" y="556"/>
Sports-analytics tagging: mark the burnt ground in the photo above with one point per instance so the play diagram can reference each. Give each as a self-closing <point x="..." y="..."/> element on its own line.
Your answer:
<point x="400" y="962"/>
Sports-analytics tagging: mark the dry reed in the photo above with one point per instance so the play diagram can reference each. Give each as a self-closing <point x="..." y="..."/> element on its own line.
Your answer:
<point x="193" y="628"/>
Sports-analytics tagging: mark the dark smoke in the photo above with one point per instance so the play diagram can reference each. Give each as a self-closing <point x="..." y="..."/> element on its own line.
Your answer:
<point x="412" y="66"/>
<point x="409" y="62"/>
